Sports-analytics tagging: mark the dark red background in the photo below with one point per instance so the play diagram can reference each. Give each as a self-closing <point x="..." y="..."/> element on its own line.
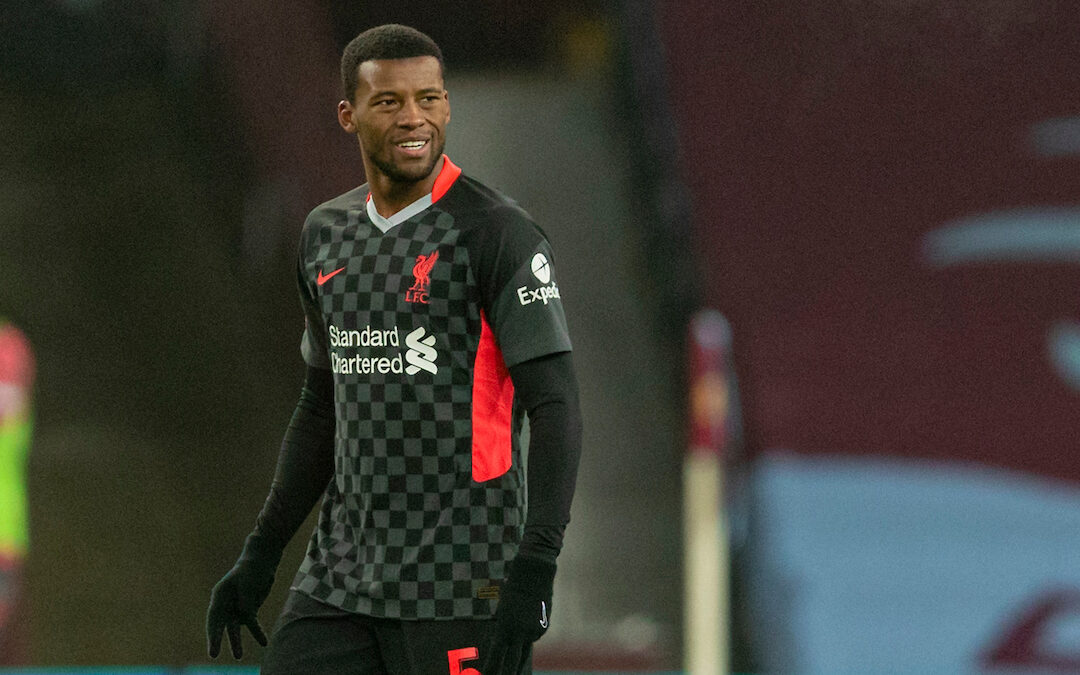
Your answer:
<point x="820" y="142"/>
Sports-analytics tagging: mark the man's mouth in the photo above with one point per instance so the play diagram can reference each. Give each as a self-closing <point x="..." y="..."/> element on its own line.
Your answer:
<point x="412" y="146"/>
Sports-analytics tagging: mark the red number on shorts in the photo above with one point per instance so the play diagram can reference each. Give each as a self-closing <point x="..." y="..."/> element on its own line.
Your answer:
<point x="457" y="656"/>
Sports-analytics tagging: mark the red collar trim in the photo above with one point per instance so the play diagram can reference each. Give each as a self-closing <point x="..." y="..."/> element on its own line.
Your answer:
<point x="450" y="173"/>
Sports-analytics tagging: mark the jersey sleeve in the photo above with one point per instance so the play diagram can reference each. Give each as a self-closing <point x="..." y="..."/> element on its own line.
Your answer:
<point x="525" y="308"/>
<point x="313" y="344"/>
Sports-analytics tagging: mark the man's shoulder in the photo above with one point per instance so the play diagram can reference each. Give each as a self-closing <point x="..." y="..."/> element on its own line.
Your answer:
<point x="480" y="205"/>
<point x="332" y="209"/>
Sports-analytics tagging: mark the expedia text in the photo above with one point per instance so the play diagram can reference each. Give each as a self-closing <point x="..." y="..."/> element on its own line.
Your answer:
<point x="543" y="294"/>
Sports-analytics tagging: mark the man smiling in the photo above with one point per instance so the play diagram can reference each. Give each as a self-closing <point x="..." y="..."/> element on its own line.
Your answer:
<point x="426" y="558"/>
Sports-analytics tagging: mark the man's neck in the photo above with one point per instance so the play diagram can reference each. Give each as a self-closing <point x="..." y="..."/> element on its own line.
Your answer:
<point x="391" y="196"/>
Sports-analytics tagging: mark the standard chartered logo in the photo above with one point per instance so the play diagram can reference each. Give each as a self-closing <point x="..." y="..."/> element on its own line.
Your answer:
<point x="420" y="353"/>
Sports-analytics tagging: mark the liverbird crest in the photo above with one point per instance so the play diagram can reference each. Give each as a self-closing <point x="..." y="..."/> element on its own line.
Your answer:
<point x="421" y="270"/>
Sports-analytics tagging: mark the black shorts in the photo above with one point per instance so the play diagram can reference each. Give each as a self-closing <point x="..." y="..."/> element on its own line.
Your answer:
<point x="312" y="638"/>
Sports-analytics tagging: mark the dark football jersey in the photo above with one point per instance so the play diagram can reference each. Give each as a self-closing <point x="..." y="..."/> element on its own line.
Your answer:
<point x="419" y="324"/>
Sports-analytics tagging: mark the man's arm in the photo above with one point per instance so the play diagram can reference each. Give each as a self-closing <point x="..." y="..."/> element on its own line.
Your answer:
<point x="305" y="466"/>
<point x="305" y="463"/>
<point x="547" y="388"/>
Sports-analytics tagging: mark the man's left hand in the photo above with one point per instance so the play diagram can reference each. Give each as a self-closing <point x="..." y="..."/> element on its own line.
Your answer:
<point x="522" y="616"/>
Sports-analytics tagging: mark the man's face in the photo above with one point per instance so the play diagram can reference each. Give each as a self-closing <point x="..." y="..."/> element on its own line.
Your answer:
<point x="399" y="113"/>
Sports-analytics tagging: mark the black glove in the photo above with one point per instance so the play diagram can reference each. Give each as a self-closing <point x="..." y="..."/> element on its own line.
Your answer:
<point x="522" y="616"/>
<point x="236" y="599"/>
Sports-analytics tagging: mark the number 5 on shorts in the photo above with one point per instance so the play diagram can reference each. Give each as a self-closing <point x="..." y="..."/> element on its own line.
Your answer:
<point x="458" y="656"/>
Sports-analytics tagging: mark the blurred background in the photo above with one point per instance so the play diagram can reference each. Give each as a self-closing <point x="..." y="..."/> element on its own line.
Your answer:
<point x="881" y="198"/>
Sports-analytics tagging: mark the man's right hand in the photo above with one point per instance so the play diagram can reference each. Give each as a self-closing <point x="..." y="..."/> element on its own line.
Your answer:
<point x="235" y="602"/>
<point x="304" y="469"/>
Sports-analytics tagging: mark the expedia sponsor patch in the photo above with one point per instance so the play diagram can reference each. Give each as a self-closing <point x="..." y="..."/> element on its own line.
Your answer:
<point x="541" y="269"/>
<point x="543" y="294"/>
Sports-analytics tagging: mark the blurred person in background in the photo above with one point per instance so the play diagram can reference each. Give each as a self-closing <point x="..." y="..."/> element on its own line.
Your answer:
<point x="16" y="377"/>
<point x="433" y="325"/>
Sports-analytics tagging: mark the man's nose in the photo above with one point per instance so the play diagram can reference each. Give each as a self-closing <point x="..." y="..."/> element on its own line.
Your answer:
<point x="410" y="115"/>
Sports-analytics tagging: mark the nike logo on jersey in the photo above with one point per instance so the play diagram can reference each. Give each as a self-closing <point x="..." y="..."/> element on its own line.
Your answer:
<point x="543" y="614"/>
<point x="323" y="278"/>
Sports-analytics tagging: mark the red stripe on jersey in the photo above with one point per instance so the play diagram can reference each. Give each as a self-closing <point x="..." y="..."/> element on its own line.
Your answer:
<point x="492" y="406"/>
<point x="445" y="179"/>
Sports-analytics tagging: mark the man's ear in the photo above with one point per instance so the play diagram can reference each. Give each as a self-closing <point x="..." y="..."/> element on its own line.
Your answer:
<point x="345" y="116"/>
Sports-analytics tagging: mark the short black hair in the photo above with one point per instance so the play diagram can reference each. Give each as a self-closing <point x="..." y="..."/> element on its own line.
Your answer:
<point x="389" y="41"/>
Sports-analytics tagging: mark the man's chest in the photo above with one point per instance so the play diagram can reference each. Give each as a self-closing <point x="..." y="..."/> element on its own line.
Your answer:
<point x="416" y="270"/>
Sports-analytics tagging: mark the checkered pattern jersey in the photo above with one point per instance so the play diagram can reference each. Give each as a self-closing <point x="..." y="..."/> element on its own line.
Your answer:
<point x="427" y="502"/>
